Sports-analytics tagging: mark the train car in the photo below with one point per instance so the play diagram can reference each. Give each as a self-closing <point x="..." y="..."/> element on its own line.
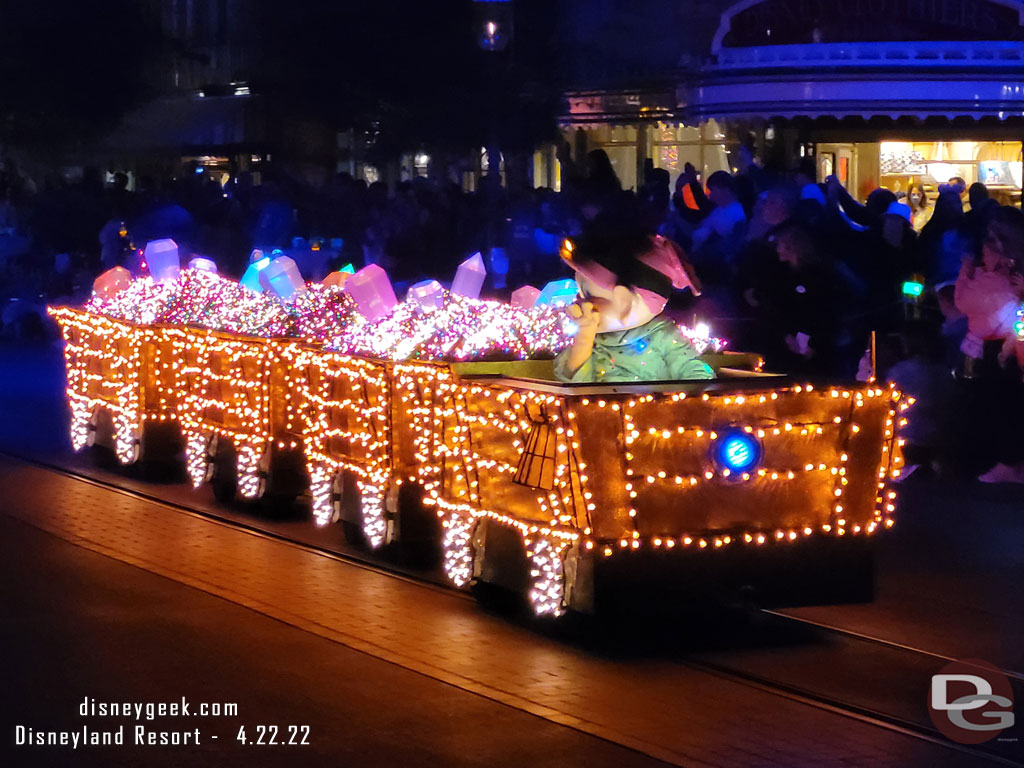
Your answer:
<point x="561" y="493"/>
<point x="120" y="380"/>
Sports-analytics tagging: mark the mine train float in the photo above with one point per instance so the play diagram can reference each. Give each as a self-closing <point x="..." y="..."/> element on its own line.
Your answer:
<point x="512" y="479"/>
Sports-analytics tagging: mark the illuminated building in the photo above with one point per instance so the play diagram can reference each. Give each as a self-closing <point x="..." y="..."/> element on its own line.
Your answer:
<point x="880" y="94"/>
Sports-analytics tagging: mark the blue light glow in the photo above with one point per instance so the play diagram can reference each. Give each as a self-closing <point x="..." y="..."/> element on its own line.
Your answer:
<point x="558" y="293"/>
<point x="251" y="277"/>
<point x="737" y="451"/>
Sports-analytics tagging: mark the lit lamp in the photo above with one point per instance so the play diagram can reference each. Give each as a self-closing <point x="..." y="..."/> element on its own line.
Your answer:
<point x="494" y="24"/>
<point x="493" y="34"/>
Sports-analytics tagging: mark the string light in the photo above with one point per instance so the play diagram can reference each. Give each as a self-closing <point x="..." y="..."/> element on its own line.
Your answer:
<point x="482" y="451"/>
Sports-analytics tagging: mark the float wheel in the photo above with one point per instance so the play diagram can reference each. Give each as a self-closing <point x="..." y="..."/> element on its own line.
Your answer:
<point x="221" y="472"/>
<point x="347" y="508"/>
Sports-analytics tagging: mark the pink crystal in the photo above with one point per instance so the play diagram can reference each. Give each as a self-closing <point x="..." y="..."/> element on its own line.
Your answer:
<point x="372" y="291"/>
<point x="525" y="297"/>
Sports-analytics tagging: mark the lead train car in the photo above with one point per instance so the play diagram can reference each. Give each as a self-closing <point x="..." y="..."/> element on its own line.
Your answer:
<point x="555" y="491"/>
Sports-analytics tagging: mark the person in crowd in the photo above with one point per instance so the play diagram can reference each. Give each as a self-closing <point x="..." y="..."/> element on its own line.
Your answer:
<point x="758" y="261"/>
<point x="798" y="302"/>
<point x="626" y="277"/>
<point x="922" y="374"/>
<point x="958" y="185"/>
<point x="989" y="291"/>
<point x="728" y="219"/>
<point x="806" y="178"/>
<point x="654" y="199"/>
<point x="944" y="241"/>
<point x="920" y="207"/>
<point x="717" y="243"/>
<point x="982" y="207"/>
<point x="690" y="203"/>
<point x="751" y="178"/>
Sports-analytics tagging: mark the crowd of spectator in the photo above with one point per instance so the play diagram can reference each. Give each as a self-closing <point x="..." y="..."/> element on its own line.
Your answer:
<point x="795" y="269"/>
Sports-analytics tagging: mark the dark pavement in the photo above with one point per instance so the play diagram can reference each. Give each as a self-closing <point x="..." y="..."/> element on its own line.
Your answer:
<point x="79" y="624"/>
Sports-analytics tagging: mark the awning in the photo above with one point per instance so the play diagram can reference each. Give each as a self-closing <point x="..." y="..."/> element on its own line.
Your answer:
<point x="914" y="79"/>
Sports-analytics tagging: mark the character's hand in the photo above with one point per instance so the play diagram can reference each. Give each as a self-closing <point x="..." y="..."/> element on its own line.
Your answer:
<point x="585" y="315"/>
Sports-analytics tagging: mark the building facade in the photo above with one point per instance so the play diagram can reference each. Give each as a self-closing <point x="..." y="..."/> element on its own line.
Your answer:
<point x="880" y="92"/>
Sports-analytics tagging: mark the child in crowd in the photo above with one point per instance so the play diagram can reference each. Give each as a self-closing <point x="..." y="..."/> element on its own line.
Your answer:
<point x="625" y="278"/>
<point x="989" y="293"/>
<point x="991" y="418"/>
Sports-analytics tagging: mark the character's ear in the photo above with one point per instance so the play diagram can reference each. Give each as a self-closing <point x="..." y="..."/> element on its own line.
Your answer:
<point x="622" y="301"/>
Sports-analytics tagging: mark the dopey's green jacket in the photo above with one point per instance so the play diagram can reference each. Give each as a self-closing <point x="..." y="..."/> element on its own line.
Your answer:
<point x="653" y="351"/>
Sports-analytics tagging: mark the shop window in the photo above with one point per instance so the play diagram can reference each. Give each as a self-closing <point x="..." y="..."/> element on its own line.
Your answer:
<point x="624" y="134"/>
<point x="673" y="134"/>
<point x="715" y="159"/>
<point x="674" y="157"/>
<point x="676" y="145"/>
<point x="713" y="131"/>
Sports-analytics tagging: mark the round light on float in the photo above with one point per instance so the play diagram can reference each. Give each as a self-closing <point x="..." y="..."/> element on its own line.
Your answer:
<point x="737" y="451"/>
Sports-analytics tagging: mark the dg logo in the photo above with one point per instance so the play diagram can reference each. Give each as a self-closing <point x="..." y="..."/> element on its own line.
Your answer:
<point x="971" y="701"/>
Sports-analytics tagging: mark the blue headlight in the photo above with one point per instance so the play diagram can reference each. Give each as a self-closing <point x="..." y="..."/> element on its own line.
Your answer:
<point x="737" y="451"/>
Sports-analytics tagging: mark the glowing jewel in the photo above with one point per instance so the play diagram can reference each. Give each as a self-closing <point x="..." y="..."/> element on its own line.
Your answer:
<point x="428" y="295"/>
<point x="558" y="293"/>
<point x="525" y="297"/>
<point x="469" y="277"/>
<point x="112" y="282"/>
<point x="372" y="290"/>
<point x="282" y="276"/>
<point x="204" y="264"/>
<point x="336" y="279"/>
<point x="251" y="276"/>
<point x="163" y="260"/>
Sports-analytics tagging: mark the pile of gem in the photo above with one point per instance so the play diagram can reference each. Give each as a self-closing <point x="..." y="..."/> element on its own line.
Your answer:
<point x="461" y="329"/>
